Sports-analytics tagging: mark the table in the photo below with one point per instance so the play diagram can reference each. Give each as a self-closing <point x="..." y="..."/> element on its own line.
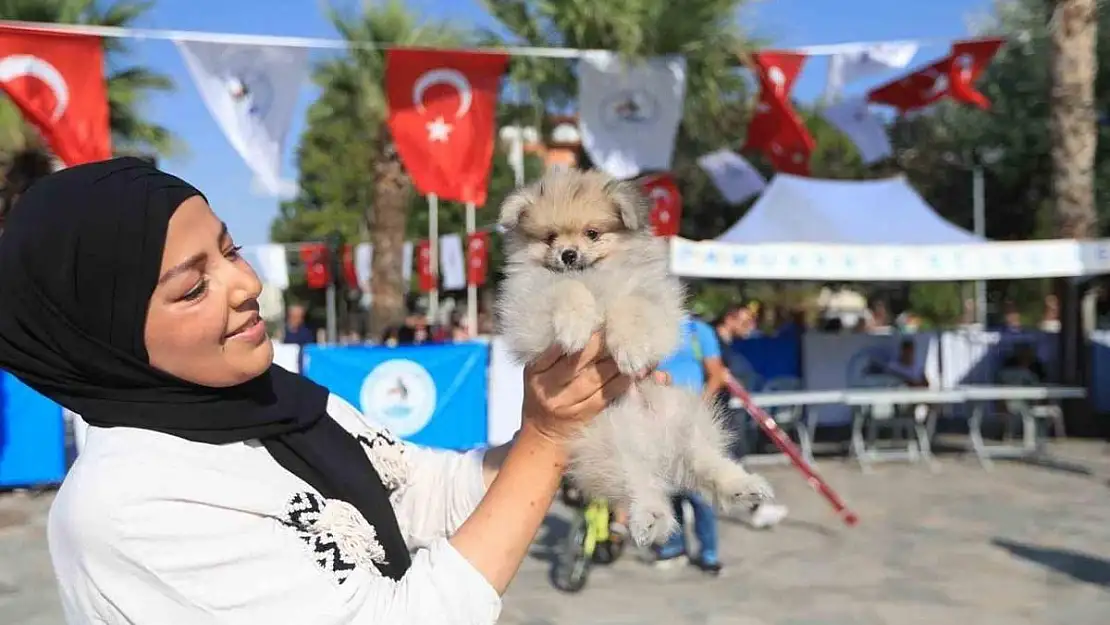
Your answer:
<point x="863" y="399"/>
<point x="1032" y="444"/>
<point x="784" y="399"/>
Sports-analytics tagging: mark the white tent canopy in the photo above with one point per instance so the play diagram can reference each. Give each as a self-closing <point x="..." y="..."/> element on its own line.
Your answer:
<point x="871" y="212"/>
<point x="809" y="229"/>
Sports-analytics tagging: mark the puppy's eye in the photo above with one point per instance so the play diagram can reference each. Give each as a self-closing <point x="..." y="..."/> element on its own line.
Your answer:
<point x="550" y="238"/>
<point x="592" y="234"/>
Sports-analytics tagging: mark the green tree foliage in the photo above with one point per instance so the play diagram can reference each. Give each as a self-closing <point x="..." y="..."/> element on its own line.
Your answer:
<point x="937" y="149"/>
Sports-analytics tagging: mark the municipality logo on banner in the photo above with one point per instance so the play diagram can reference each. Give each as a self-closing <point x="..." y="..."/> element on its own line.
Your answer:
<point x="251" y="91"/>
<point x="399" y="394"/>
<point x="629" y="114"/>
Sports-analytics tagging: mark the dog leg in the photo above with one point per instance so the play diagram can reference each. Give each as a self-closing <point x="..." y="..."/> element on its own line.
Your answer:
<point x="710" y="467"/>
<point x="650" y="515"/>
<point x="574" y="314"/>
<point x="634" y="335"/>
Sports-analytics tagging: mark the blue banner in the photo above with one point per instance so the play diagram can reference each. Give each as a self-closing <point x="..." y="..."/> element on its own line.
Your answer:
<point x="432" y="395"/>
<point x="32" y="436"/>
<point x="768" y="357"/>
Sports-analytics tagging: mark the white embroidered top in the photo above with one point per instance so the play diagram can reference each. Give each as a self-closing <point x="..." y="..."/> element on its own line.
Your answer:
<point x="151" y="528"/>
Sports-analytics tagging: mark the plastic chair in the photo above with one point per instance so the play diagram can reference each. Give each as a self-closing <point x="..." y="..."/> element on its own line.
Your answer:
<point x="901" y="422"/>
<point x="1028" y="411"/>
<point x="792" y="418"/>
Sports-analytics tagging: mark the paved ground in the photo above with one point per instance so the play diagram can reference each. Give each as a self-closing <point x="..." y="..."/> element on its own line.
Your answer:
<point x="1022" y="545"/>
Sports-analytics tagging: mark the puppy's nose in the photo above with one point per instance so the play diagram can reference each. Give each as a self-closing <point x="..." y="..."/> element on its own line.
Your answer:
<point x="569" y="256"/>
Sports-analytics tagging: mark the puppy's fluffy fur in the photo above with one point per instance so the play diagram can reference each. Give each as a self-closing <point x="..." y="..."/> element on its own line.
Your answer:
<point x="581" y="258"/>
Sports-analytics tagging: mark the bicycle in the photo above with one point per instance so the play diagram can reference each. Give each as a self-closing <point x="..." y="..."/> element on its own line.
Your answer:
<point x="589" y="541"/>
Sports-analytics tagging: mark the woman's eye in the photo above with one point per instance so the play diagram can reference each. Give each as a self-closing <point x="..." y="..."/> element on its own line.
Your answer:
<point x="592" y="235"/>
<point x="234" y="253"/>
<point x="197" y="291"/>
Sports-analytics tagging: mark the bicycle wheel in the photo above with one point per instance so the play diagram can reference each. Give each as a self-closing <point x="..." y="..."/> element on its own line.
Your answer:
<point x="572" y="565"/>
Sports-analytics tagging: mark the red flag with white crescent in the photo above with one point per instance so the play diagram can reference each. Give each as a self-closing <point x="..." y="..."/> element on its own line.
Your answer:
<point x="57" y="81"/>
<point x="477" y="258"/>
<point x="666" y="204"/>
<point x="314" y="257"/>
<point x="425" y="275"/>
<point x="969" y="60"/>
<point x="442" y="117"/>
<point x="954" y="76"/>
<point x="778" y="71"/>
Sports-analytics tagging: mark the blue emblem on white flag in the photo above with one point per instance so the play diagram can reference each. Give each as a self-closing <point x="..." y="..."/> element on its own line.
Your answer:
<point x="251" y="91"/>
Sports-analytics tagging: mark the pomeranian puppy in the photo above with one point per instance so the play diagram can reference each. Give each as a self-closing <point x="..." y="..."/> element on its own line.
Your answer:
<point x="581" y="258"/>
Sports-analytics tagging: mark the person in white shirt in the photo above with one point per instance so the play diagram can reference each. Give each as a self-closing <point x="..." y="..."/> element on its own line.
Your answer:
<point x="214" y="487"/>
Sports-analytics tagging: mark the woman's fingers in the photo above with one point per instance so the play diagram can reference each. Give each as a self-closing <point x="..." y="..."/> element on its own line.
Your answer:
<point x="548" y="359"/>
<point x="587" y="381"/>
<point x="597" y="401"/>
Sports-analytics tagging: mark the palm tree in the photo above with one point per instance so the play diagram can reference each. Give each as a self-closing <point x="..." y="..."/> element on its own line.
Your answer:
<point x="1073" y="127"/>
<point x="22" y="150"/>
<point x="361" y="74"/>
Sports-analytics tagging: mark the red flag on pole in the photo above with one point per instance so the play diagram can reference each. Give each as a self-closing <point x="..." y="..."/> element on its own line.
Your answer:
<point x="314" y="257"/>
<point x="57" y="81"/>
<point x="666" y="208"/>
<point x="425" y="277"/>
<point x="477" y="258"/>
<point x="442" y="117"/>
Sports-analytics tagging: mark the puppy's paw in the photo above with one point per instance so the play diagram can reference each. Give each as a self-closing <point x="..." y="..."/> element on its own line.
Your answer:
<point x="634" y="335"/>
<point x="574" y="315"/>
<point x="733" y="485"/>
<point x="651" y="521"/>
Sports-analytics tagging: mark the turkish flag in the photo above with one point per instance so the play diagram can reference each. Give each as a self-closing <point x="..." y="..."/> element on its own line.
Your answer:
<point x="777" y="73"/>
<point x="953" y="75"/>
<point x="477" y="258"/>
<point x="442" y="117"/>
<point x="666" y="207"/>
<point x="314" y="257"/>
<point x="425" y="274"/>
<point x="789" y="150"/>
<point x="917" y="90"/>
<point x="969" y="60"/>
<point x="57" y="81"/>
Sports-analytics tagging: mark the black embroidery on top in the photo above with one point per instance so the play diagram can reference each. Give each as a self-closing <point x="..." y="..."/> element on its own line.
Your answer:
<point x="302" y="514"/>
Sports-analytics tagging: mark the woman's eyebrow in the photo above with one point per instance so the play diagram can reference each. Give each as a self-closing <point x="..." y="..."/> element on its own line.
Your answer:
<point x="182" y="267"/>
<point x="191" y="261"/>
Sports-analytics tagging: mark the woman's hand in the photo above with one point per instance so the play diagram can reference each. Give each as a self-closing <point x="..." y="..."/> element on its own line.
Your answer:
<point x="563" y="392"/>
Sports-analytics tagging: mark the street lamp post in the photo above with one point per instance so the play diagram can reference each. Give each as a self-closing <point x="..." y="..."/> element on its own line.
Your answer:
<point x="977" y="159"/>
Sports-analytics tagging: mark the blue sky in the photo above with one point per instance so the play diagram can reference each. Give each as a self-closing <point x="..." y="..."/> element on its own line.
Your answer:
<point x="212" y="165"/>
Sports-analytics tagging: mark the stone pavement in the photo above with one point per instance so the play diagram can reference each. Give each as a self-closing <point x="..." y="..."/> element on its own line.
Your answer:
<point x="1022" y="545"/>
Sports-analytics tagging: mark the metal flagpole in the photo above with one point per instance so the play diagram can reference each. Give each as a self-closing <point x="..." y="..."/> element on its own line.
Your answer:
<point x="471" y="289"/>
<point x="433" y="256"/>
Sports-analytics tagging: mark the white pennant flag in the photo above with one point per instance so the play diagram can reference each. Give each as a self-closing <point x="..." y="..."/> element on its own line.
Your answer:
<point x="854" y="62"/>
<point x="406" y="265"/>
<point x="251" y="91"/>
<point x="733" y="175"/>
<point x="364" y="261"/>
<point x="452" y="262"/>
<point x="629" y="115"/>
<point x="269" y="262"/>
<point x="855" y="119"/>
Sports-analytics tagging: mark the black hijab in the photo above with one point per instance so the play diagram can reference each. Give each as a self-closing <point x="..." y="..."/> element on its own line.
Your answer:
<point x="79" y="259"/>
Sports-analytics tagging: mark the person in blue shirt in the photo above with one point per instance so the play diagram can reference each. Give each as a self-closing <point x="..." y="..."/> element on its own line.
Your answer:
<point x="695" y="364"/>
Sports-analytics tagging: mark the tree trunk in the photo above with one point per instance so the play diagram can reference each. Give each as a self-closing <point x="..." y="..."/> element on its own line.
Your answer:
<point x="1073" y="127"/>
<point x="1073" y="120"/>
<point x="386" y="219"/>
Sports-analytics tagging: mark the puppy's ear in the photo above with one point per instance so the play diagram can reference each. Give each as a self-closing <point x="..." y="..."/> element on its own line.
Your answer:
<point x="514" y="206"/>
<point x="633" y="207"/>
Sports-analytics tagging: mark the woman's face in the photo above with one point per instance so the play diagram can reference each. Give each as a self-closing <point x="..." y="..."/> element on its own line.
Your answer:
<point x="203" y="324"/>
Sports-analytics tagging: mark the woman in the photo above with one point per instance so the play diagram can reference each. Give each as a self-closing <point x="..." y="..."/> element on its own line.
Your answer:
<point x="217" y="488"/>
